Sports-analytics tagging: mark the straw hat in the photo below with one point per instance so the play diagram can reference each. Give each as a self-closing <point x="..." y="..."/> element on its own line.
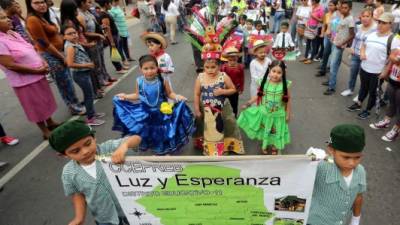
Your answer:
<point x="258" y="44"/>
<point x="231" y="51"/>
<point x="157" y="36"/>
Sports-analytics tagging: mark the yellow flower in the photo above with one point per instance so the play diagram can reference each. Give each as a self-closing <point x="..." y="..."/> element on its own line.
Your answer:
<point x="166" y="108"/>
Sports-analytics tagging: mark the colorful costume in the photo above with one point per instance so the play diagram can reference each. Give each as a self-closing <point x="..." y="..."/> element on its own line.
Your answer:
<point x="162" y="131"/>
<point x="216" y="131"/>
<point x="267" y="121"/>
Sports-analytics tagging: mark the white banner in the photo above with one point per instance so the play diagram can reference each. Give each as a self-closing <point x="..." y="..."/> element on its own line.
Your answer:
<point x="238" y="190"/>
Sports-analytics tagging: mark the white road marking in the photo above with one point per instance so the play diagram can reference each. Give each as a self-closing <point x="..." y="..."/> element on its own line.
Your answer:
<point x="25" y="161"/>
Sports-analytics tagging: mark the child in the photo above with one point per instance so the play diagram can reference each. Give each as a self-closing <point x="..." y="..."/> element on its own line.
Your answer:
<point x="118" y="15"/>
<point x="268" y="121"/>
<point x="284" y="39"/>
<point x="163" y="127"/>
<point x="246" y="36"/>
<point x="80" y="66"/>
<point x="157" y="44"/>
<point x="216" y="129"/>
<point x="258" y="65"/>
<point x="242" y="22"/>
<point x="259" y="28"/>
<point x="264" y="14"/>
<point x="235" y="71"/>
<point x="83" y="177"/>
<point x="344" y="180"/>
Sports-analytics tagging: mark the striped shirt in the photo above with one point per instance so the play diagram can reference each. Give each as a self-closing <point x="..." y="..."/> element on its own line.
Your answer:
<point x="119" y="20"/>
<point x="99" y="196"/>
<point x="332" y="199"/>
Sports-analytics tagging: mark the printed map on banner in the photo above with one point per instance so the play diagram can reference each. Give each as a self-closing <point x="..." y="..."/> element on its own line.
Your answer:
<point x="233" y="192"/>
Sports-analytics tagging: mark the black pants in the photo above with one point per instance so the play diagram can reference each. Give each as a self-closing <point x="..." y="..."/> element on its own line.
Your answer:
<point x="197" y="57"/>
<point x="369" y="83"/>
<point x="234" y="100"/>
<point x="2" y="132"/>
<point x="123" y="42"/>
<point x="393" y="92"/>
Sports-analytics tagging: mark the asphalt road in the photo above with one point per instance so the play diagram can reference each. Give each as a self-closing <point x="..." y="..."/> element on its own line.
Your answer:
<point x="34" y="196"/>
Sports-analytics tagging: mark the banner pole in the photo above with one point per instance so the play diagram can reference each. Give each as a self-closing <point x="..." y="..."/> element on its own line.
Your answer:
<point x="213" y="158"/>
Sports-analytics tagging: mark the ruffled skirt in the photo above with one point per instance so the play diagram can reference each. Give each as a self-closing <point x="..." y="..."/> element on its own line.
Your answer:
<point x="162" y="133"/>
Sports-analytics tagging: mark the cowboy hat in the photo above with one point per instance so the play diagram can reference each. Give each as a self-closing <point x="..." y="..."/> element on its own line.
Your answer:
<point x="231" y="51"/>
<point x="258" y="44"/>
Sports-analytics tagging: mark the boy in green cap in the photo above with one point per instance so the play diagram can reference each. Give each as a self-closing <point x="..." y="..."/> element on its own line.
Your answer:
<point x="339" y="186"/>
<point x="83" y="177"/>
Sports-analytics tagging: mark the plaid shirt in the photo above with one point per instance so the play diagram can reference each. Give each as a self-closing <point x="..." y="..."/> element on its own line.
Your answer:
<point x="332" y="199"/>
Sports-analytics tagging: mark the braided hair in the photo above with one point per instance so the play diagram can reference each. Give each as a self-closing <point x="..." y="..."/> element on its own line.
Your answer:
<point x="149" y="58"/>
<point x="281" y="64"/>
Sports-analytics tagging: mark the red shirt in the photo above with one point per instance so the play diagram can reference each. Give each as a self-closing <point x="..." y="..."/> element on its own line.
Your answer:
<point x="236" y="74"/>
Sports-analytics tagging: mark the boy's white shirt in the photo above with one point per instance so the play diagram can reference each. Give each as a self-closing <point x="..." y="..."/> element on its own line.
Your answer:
<point x="256" y="32"/>
<point x="288" y="40"/>
<point x="165" y="63"/>
<point x="90" y="169"/>
<point x="257" y="69"/>
<point x="348" y="178"/>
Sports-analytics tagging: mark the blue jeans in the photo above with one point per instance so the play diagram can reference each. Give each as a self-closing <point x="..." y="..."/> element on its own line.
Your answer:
<point x="354" y="70"/>
<point x="293" y="28"/>
<point x="62" y="78"/>
<point x="82" y="78"/>
<point x="278" y="17"/>
<point x="327" y="53"/>
<point x="335" y="65"/>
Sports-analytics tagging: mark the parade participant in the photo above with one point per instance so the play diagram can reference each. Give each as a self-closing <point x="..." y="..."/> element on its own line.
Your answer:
<point x="268" y="121"/>
<point x="344" y="36"/>
<point x="258" y="65"/>
<point x="393" y="92"/>
<point x="246" y="34"/>
<point x="83" y="178"/>
<point x="366" y="27"/>
<point x="157" y="44"/>
<point x="162" y="126"/>
<point x="25" y="71"/>
<point x="344" y="179"/>
<point x="374" y="53"/>
<point x="49" y="43"/>
<point x="283" y="39"/>
<point x="235" y="71"/>
<point x="258" y="28"/>
<point x="216" y="129"/>
<point x="80" y="66"/>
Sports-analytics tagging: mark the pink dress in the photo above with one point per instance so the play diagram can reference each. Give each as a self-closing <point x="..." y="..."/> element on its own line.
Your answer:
<point x="32" y="90"/>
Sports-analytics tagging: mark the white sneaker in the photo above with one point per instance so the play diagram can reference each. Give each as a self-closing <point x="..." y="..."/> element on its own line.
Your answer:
<point x="346" y="93"/>
<point x="391" y="135"/>
<point x="99" y="115"/>
<point x="95" y="122"/>
<point x="355" y="99"/>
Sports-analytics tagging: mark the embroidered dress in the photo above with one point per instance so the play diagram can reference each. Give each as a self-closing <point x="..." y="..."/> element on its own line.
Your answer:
<point x="216" y="132"/>
<point x="267" y="121"/>
<point x="163" y="133"/>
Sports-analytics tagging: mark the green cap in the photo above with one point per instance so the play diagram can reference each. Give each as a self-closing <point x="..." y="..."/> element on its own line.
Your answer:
<point x="347" y="138"/>
<point x="69" y="133"/>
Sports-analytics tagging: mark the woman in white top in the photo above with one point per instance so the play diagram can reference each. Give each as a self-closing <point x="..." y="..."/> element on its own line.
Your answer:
<point x="303" y="13"/>
<point x="396" y="14"/>
<point x="170" y="10"/>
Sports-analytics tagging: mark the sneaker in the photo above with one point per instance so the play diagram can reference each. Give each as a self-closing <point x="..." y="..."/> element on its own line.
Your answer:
<point x="10" y="141"/>
<point x="354" y="107"/>
<point x="364" y="115"/>
<point x="355" y="99"/>
<point x="99" y="115"/>
<point x="325" y="83"/>
<point x="123" y="71"/>
<point x="317" y="60"/>
<point x="380" y="125"/>
<point x="329" y="91"/>
<point x="3" y="164"/>
<point x="391" y="135"/>
<point x="94" y="122"/>
<point x="346" y="93"/>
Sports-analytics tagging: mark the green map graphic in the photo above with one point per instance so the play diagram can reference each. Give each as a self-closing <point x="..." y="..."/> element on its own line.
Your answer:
<point x="226" y="205"/>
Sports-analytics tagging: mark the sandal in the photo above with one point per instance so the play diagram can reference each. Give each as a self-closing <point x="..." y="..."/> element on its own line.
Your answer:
<point x="274" y="151"/>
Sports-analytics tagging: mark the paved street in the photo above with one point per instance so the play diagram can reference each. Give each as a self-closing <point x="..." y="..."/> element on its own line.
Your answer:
<point x="34" y="196"/>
